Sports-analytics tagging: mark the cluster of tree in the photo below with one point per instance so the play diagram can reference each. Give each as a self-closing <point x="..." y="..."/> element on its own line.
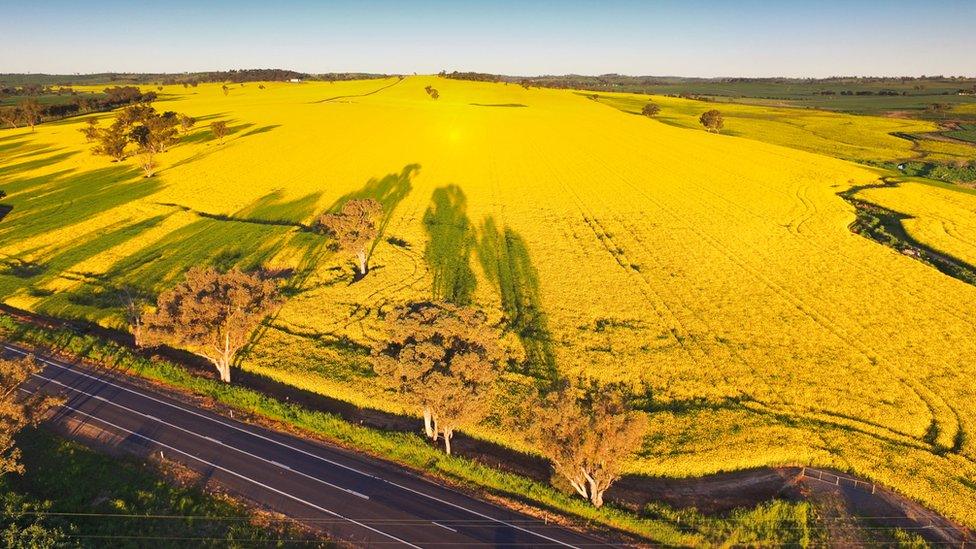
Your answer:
<point x="650" y="109"/>
<point x="449" y="360"/>
<point x="141" y="126"/>
<point x="473" y="76"/>
<point x="30" y="112"/>
<point x="35" y="89"/>
<point x="432" y="92"/>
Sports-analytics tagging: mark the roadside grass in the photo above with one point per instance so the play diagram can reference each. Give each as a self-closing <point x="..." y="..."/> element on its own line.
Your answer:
<point x="98" y="501"/>
<point x="770" y="523"/>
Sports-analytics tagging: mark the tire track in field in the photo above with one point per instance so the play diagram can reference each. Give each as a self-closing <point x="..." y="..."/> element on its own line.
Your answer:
<point x="916" y="387"/>
<point x="358" y="94"/>
<point x="784" y="294"/>
<point x="678" y="333"/>
<point x="650" y="282"/>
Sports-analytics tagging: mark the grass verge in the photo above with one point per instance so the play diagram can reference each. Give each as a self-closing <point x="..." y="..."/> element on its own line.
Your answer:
<point x="93" y="500"/>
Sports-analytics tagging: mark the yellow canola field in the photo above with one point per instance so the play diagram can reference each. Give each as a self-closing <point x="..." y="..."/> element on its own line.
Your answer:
<point x="845" y="136"/>
<point x="942" y="217"/>
<point x="719" y="271"/>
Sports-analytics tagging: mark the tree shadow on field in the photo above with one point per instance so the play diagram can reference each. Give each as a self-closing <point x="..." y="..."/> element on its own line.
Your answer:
<point x="449" y="246"/>
<point x="54" y="201"/>
<point x="388" y="190"/>
<point x="262" y="129"/>
<point x="37" y="163"/>
<point x="203" y="134"/>
<point x="273" y="208"/>
<point x="505" y="259"/>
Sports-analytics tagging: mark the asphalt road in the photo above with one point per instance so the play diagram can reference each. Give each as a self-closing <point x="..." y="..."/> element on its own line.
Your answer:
<point x="354" y="498"/>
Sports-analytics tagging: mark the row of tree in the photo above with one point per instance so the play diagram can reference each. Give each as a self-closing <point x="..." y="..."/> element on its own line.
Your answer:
<point x="446" y="358"/>
<point x="142" y="129"/>
<point x="31" y="112"/>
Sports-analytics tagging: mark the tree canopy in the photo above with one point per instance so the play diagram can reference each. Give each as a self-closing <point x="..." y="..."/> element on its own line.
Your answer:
<point x="355" y="227"/>
<point x="211" y="314"/>
<point x="712" y="120"/>
<point x="446" y="358"/>
<point x="18" y="409"/>
<point x="587" y="431"/>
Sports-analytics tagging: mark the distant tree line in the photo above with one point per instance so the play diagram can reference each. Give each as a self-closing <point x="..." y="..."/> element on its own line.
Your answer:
<point x="30" y="112"/>
<point x="473" y="76"/>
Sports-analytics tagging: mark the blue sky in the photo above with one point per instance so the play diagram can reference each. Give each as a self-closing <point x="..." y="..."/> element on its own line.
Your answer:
<point x="689" y="38"/>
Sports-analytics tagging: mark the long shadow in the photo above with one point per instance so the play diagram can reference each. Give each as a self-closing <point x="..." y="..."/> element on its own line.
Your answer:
<point x="262" y="129"/>
<point x="388" y="190"/>
<point x="207" y="242"/>
<point x="203" y="134"/>
<point x="451" y="240"/>
<point x="35" y="164"/>
<point x="273" y="208"/>
<point x="505" y="260"/>
<point x="270" y="209"/>
<point x="54" y="201"/>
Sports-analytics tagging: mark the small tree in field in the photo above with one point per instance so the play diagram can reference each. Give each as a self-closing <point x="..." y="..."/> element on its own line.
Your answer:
<point x="30" y="112"/>
<point x="112" y="141"/>
<point x="445" y="358"/>
<point x="587" y="431"/>
<point x="712" y="120"/>
<point x="650" y="110"/>
<point x="152" y="134"/>
<point x="187" y="122"/>
<point x="18" y="409"/>
<point x="225" y="89"/>
<point x="219" y="129"/>
<point x="90" y="131"/>
<point x="211" y="314"/>
<point x="355" y="228"/>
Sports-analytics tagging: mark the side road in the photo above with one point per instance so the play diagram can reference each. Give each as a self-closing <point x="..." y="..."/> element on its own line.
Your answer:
<point x="351" y="497"/>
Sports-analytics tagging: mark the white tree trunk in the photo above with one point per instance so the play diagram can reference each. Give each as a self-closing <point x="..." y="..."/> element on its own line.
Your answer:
<point x="223" y="363"/>
<point x="579" y="487"/>
<point x="448" y="433"/>
<point x="361" y="256"/>
<point x="428" y="424"/>
<point x="224" y="369"/>
<point x="596" y="491"/>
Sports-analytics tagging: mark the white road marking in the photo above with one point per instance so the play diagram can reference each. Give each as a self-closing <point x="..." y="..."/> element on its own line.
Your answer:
<point x="246" y="453"/>
<point x="290" y="447"/>
<point x="444" y="527"/>
<point x="228" y="471"/>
